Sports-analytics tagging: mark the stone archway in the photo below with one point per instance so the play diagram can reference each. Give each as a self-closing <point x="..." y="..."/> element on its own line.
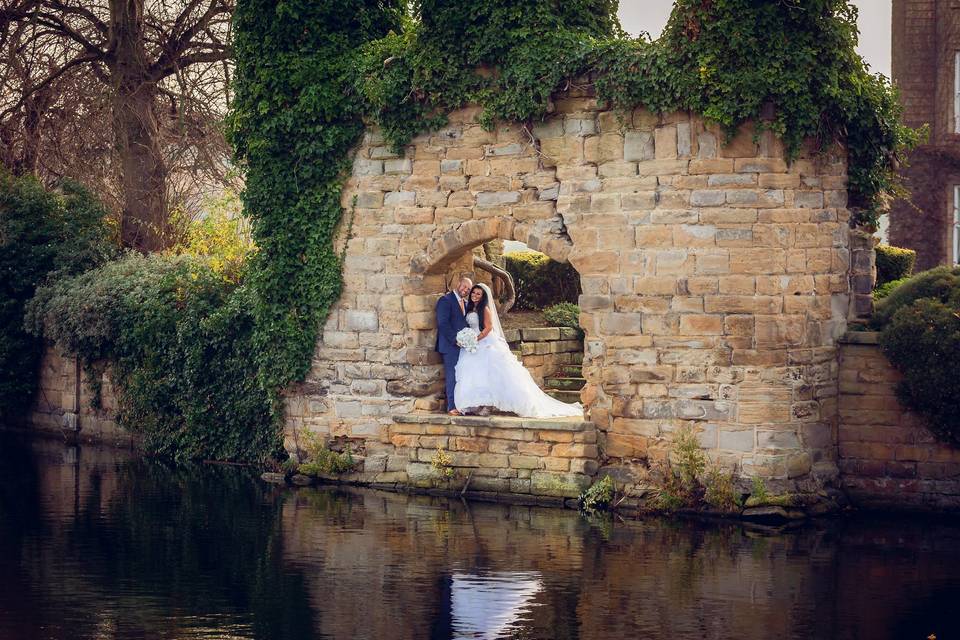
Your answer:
<point x="543" y="237"/>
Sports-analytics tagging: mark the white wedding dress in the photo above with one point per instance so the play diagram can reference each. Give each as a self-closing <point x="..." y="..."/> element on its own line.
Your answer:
<point x="493" y="377"/>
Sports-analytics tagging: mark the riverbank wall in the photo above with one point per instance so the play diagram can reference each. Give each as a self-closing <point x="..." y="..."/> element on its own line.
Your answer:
<point x="68" y="402"/>
<point x="888" y="458"/>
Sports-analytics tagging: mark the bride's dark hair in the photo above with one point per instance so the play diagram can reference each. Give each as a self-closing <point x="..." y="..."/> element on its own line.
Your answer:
<point x="479" y="307"/>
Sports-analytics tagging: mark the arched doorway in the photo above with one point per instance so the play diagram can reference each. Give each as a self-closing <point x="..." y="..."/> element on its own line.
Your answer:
<point x="553" y="355"/>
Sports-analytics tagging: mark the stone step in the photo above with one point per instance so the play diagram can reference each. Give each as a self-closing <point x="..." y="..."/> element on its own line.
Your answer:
<point x="570" y="371"/>
<point x="564" y="383"/>
<point x="498" y="421"/>
<point x="564" y="396"/>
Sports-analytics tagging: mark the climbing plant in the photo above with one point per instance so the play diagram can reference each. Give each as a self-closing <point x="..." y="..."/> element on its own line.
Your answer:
<point x="293" y="122"/>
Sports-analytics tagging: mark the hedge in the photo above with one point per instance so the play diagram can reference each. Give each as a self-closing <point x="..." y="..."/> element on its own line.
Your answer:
<point x="894" y="263"/>
<point x="540" y="281"/>
<point x="42" y="232"/>
<point x="921" y="338"/>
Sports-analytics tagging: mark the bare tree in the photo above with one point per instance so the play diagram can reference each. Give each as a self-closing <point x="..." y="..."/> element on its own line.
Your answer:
<point x="148" y="77"/>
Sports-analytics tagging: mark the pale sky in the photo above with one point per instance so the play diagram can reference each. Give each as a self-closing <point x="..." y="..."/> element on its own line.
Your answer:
<point x="651" y="16"/>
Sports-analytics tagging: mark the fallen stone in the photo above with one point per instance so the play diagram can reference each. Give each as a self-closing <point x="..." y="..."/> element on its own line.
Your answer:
<point x="274" y="478"/>
<point x="301" y="480"/>
<point x="772" y="515"/>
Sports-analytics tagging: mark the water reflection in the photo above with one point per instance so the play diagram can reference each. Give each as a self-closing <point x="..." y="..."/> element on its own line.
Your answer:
<point x="492" y="606"/>
<point x="93" y="545"/>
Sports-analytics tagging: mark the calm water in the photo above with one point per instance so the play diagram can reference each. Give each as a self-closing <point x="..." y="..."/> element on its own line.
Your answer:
<point x="96" y="545"/>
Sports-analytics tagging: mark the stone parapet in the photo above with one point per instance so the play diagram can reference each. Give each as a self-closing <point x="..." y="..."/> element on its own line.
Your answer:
<point x="888" y="458"/>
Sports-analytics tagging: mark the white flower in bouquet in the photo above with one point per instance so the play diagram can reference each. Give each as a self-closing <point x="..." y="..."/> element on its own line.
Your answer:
<point x="467" y="339"/>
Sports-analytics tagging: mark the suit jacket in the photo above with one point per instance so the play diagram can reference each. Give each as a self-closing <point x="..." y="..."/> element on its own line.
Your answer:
<point x="449" y="322"/>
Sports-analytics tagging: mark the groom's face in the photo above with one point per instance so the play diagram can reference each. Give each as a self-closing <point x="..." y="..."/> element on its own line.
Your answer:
<point x="464" y="288"/>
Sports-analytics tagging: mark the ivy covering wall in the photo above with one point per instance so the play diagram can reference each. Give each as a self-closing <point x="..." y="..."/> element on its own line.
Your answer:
<point x="311" y="72"/>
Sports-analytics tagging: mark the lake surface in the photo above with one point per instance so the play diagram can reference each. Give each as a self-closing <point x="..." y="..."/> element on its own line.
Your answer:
<point x="96" y="544"/>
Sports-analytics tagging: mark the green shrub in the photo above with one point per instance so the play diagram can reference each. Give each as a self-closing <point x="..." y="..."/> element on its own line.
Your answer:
<point x="564" y="314"/>
<point x="922" y="340"/>
<point x="42" y="232"/>
<point x="541" y="282"/>
<point x="322" y="460"/>
<point x="894" y="263"/>
<point x="884" y="290"/>
<point x="598" y="496"/>
<point x="942" y="283"/>
<point x="178" y="337"/>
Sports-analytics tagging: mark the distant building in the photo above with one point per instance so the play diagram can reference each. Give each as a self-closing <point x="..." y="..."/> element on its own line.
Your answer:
<point x="926" y="67"/>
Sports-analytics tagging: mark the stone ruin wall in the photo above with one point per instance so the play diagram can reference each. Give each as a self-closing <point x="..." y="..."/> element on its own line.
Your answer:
<point x="715" y="281"/>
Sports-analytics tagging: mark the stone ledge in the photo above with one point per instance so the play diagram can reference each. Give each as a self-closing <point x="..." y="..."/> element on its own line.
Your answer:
<point x="498" y="422"/>
<point x="541" y="334"/>
<point x="860" y="337"/>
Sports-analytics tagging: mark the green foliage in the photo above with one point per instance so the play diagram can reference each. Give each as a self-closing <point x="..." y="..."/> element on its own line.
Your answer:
<point x="894" y="263"/>
<point x="322" y="460"/>
<point x="564" y="314"/>
<point x="884" y="290"/>
<point x="541" y="282"/>
<point x="942" y="283"/>
<point x="719" y="490"/>
<point x="178" y="339"/>
<point x="689" y="480"/>
<point x="758" y="489"/>
<point x="922" y="341"/>
<point x="681" y="486"/>
<point x="293" y="122"/>
<point x="598" y="496"/>
<point x="920" y="323"/>
<point x="42" y="232"/>
<point x="726" y="60"/>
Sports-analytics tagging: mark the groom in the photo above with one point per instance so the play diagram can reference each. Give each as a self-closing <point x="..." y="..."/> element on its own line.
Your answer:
<point x="450" y="320"/>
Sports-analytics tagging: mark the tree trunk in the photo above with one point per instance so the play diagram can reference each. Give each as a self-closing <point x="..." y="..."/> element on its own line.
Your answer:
<point x="510" y="291"/>
<point x="145" y="223"/>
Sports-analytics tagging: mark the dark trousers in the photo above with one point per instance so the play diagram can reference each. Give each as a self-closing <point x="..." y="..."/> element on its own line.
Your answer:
<point x="450" y="376"/>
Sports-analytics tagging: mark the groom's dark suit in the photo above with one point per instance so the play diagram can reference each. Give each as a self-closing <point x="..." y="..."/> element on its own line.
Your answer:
<point x="450" y="320"/>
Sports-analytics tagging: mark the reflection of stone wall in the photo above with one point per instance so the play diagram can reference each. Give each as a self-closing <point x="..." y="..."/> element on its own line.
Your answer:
<point x="57" y="395"/>
<point x="887" y="456"/>
<point x="715" y="279"/>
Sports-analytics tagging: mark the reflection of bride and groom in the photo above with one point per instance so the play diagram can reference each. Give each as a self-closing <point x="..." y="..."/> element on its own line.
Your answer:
<point x="489" y="376"/>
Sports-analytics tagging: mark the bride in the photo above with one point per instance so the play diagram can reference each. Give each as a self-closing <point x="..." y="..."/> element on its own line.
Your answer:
<point x="493" y="377"/>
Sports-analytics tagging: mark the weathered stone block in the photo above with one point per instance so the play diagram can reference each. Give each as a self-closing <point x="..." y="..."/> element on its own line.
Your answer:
<point x="566" y="485"/>
<point x="638" y="146"/>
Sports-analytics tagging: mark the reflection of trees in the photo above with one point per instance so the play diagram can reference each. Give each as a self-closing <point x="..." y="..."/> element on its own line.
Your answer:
<point x="195" y="542"/>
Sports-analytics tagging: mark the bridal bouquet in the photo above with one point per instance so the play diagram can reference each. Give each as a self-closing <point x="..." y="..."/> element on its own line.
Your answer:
<point x="467" y="339"/>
